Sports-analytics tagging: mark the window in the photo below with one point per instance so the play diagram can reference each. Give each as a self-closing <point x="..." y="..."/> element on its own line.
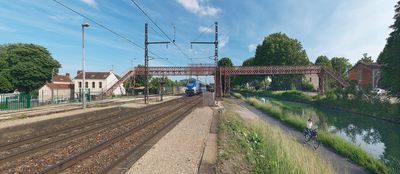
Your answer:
<point x="310" y="79"/>
<point x="86" y="84"/>
<point x="93" y="85"/>
<point x="80" y="84"/>
<point x="100" y="85"/>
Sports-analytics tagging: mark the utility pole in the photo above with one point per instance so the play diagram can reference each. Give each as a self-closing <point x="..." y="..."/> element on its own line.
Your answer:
<point x="146" y="62"/>
<point x="215" y="43"/>
<point x="83" y="66"/>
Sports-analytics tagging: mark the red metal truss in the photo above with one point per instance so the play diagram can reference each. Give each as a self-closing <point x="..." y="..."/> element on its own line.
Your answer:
<point x="209" y="70"/>
<point x="177" y="71"/>
<point x="236" y="70"/>
<point x="270" y="70"/>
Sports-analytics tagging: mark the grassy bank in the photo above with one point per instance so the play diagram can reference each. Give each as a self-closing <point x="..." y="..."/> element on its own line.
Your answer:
<point x="257" y="147"/>
<point x="341" y="146"/>
<point x="378" y="109"/>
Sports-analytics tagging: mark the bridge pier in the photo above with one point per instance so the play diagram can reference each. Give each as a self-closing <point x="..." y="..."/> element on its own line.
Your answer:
<point x="321" y="83"/>
<point x="218" y="85"/>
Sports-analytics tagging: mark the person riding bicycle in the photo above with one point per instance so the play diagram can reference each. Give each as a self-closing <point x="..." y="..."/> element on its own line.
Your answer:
<point x="309" y="125"/>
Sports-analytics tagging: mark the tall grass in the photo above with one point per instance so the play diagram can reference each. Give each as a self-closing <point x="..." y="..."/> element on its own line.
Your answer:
<point x="378" y="109"/>
<point x="268" y="149"/>
<point x="341" y="146"/>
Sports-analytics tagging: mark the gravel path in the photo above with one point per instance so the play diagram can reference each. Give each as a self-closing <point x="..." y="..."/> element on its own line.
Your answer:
<point x="341" y="165"/>
<point x="180" y="150"/>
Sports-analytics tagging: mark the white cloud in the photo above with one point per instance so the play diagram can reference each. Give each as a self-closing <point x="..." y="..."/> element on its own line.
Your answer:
<point x="355" y="29"/>
<point x="203" y="29"/>
<point x="90" y="2"/>
<point x="252" y="47"/>
<point x="198" y="8"/>
<point x="224" y="40"/>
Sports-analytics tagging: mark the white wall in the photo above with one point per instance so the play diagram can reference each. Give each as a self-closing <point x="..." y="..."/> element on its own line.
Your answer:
<point x="106" y="84"/>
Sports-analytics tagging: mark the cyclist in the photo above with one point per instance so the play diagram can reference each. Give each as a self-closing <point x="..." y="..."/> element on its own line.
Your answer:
<point x="309" y="126"/>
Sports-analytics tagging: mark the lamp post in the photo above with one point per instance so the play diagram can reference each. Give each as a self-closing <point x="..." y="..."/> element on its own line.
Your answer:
<point x="83" y="66"/>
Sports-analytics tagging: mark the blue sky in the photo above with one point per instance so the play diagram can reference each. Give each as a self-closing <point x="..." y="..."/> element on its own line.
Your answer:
<point x="346" y="28"/>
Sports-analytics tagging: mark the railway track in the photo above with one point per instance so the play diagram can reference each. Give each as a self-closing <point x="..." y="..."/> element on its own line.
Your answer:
<point x="62" y="149"/>
<point x="48" y="139"/>
<point x="52" y="109"/>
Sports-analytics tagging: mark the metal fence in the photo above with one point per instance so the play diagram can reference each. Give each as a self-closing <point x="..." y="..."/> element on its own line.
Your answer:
<point x="16" y="101"/>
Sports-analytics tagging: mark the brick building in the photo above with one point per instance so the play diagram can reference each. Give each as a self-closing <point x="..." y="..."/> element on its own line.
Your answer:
<point x="367" y="75"/>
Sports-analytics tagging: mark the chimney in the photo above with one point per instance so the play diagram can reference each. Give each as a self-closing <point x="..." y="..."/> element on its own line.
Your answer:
<point x="67" y="74"/>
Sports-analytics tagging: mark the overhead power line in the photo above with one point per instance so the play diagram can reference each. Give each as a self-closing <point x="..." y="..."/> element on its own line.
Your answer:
<point x="104" y="27"/>
<point x="202" y="33"/>
<point x="162" y="31"/>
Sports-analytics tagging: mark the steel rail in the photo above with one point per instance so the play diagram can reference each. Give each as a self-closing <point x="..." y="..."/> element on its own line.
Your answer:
<point x="124" y="120"/>
<point x="73" y="159"/>
<point x="115" y="165"/>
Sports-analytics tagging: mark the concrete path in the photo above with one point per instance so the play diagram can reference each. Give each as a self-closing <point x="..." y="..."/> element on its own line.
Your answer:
<point x="341" y="165"/>
<point x="181" y="149"/>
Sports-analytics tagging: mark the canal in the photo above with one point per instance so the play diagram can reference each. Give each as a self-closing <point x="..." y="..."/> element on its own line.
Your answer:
<point x="378" y="137"/>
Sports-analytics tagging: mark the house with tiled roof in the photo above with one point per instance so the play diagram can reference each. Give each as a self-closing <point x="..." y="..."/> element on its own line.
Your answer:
<point x="60" y="88"/>
<point x="367" y="75"/>
<point x="97" y="83"/>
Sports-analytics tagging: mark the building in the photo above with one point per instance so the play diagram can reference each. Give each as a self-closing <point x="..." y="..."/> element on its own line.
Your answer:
<point x="312" y="79"/>
<point x="367" y="75"/>
<point x="97" y="83"/>
<point x="60" y="88"/>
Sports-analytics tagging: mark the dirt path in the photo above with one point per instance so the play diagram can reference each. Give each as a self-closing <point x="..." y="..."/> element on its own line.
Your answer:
<point x="341" y="165"/>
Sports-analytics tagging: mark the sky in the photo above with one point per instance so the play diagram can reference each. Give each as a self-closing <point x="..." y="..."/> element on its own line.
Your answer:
<point x="339" y="28"/>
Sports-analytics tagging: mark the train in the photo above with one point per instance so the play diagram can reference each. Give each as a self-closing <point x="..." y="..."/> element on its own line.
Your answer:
<point x="194" y="87"/>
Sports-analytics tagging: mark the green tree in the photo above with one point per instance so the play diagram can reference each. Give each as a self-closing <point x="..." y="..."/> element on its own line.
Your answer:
<point x="5" y="85"/>
<point x="28" y="66"/>
<point x="323" y="60"/>
<point x="279" y="49"/>
<point x="366" y="59"/>
<point x="340" y="65"/>
<point x="242" y="80"/>
<point x="139" y="79"/>
<point x="390" y="58"/>
<point x="226" y="61"/>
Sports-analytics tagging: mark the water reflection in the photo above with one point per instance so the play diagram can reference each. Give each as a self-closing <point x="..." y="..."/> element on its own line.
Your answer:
<point x="380" y="138"/>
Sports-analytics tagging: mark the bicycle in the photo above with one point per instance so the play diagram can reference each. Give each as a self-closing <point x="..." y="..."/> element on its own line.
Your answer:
<point x="312" y="135"/>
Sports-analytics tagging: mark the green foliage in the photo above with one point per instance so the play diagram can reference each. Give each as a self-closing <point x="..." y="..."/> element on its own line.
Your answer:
<point x="5" y="84"/>
<point x="366" y="59"/>
<point x="279" y="49"/>
<point x="221" y="63"/>
<point x="340" y="65"/>
<point x="155" y="82"/>
<point x="307" y="86"/>
<point x="350" y="99"/>
<point x="390" y="58"/>
<point x="345" y="148"/>
<point x="242" y="80"/>
<point x="249" y="62"/>
<point x="323" y="60"/>
<point x="26" y="67"/>
<point x="226" y="61"/>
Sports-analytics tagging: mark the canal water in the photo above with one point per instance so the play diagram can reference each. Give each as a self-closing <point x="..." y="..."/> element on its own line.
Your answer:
<point x="378" y="137"/>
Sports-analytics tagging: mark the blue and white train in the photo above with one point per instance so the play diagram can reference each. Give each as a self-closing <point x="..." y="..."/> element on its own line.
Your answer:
<point x="193" y="87"/>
